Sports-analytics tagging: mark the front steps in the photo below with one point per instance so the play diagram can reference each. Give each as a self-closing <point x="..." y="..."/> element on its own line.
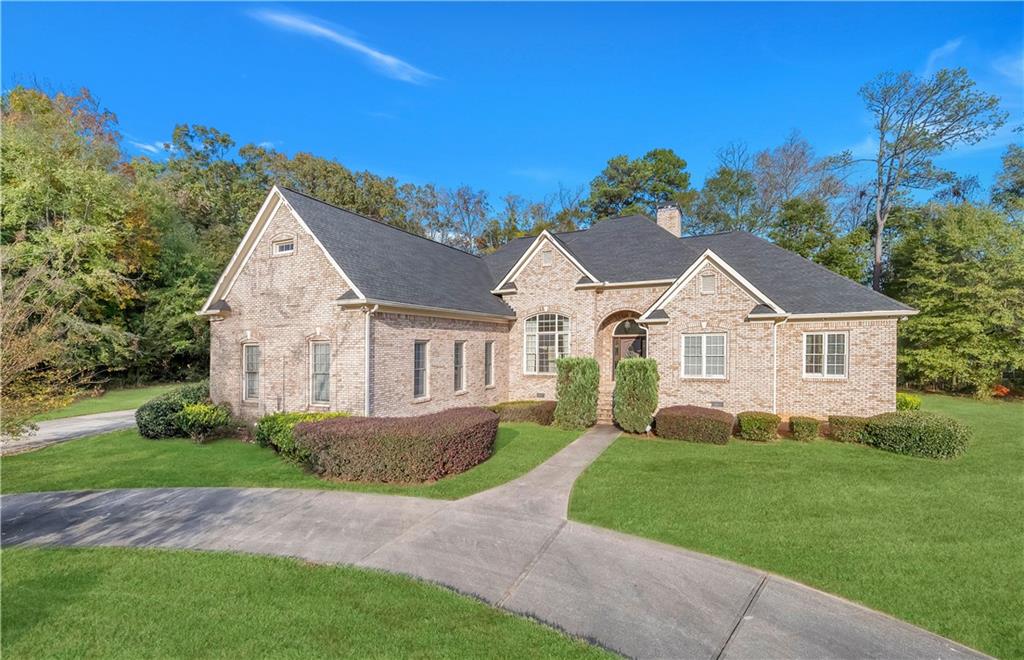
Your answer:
<point x="604" y="403"/>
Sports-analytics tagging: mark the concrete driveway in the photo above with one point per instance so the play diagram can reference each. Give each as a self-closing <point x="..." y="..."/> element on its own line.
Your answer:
<point x="61" y="430"/>
<point x="510" y="546"/>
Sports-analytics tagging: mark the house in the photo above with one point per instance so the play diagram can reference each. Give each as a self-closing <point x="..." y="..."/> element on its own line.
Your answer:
<point x="324" y="309"/>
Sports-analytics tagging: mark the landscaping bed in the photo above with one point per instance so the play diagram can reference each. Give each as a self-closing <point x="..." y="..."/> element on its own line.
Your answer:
<point x="933" y="542"/>
<point x="130" y="603"/>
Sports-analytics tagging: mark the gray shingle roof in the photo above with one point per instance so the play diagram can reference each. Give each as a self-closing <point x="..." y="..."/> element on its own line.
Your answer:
<point x="797" y="285"/>
<point x="386" y="263"/>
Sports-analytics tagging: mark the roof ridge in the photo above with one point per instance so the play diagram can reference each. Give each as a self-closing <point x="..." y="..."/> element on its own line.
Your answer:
<point x="379" y="222"/>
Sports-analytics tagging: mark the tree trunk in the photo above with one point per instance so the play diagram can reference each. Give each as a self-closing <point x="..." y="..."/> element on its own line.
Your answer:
<point x="876" y="270"/>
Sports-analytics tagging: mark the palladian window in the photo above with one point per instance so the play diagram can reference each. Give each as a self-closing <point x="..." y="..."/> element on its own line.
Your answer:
<point x="546" y="339"/>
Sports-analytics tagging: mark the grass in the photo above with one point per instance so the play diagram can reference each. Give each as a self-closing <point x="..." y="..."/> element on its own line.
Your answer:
<point x="124" y="459"/>
<point x="109" y="401"/>
<point x="127" y="603"/>
<point x="936" y="543"/>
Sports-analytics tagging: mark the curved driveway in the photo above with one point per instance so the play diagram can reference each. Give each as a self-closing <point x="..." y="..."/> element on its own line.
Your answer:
<point x="510" y="546"/>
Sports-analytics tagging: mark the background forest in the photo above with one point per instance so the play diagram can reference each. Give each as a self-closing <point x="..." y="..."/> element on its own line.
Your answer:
<point x="106" y="259"/>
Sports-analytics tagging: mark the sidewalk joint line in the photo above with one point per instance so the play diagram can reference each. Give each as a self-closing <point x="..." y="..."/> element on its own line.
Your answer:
<point x="512" y="588"/>
<point x="746" y="608"/>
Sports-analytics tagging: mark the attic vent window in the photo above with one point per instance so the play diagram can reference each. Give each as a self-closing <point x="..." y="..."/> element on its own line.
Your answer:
<point x="707" y="283"/>
<point x="283" y="247"/>
<point x="546" y="257"/>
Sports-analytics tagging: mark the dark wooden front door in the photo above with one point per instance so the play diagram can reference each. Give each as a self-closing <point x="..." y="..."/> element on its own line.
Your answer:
<point x="623" y="347"/>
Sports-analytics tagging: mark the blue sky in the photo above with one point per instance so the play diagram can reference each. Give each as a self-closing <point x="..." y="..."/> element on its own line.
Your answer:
<point x="509" y="98"/>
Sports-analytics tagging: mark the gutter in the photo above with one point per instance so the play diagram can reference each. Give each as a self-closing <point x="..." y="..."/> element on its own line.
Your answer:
<point x="363" y="302"/>
<point x="775" y="365"/>
<point x="368" y="311"/>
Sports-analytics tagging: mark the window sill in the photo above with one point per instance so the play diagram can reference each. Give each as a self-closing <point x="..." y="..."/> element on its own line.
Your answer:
<point x="552" y="375"/>
<point x="324" y="406"/>
<point x="717" y="379"/>
<point x="489" y="387"/>
<point x="826" y="378"/>
<point x="250" y="402"/>
<point x="462" y="393"/>
<point x="422" y="399"/>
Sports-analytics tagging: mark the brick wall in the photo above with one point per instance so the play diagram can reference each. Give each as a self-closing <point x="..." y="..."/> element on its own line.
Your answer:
<point x="393" y="337"/>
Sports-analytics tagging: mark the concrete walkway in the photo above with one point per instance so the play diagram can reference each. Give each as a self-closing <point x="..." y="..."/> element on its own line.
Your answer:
<point x="61" y="430"/>
<point x="510" y="546"/>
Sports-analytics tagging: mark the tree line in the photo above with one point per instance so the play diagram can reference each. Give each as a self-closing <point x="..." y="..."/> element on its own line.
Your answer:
<point x="106" y="258"/>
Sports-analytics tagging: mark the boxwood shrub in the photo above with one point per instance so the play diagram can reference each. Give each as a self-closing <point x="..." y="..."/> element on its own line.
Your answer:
<point x="694" y="424"/>
<point x="846" y="428"/>
<point x="277" y="430"/>
<point x="804" y="429"/>
<point x="158" y="418"/>
<point x="906" y="401"/>
<point x="577" y="393"/>
<point x="758" y="426"/>
<point x="398" y="449"/>
<point x="538" y="412"/>
<point x="199" y="421"/>
<point x="917" y="433"/>
<point x="636" y="393"/>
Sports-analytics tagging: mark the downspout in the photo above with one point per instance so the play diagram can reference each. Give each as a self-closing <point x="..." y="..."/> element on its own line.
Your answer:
<point x="366" y="363"/>
<point x="775" y="365"/>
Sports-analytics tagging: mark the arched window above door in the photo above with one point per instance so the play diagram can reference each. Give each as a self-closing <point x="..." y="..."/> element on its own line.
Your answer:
<point x="629" y="328"/>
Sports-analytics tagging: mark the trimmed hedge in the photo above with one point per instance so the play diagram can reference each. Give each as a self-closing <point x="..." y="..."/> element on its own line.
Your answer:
<point x="158" y="418"/>
<point x="846" y="428"/>
<point x="398" y="449"/>
<point x="277" y="430"/>
<point x="538" y="412"/>
<point x="758" y="426"/>
<point x="201" y="420"/>
<point x="636" y="393"/>
<point x="694" y="424"/>
<point x="804" y="429"/>
<point x="906" y="401"/>
<point x="916" y="433"/>
<point x="578" y="380"/>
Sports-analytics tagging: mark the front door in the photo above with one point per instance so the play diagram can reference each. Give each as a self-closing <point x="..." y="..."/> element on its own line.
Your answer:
<point x="626" y="347"/>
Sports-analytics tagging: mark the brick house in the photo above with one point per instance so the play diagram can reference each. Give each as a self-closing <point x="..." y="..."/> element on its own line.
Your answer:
<point x="324" y="309"/>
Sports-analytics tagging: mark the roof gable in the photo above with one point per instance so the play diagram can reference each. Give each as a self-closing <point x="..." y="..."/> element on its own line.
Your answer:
<point x="544" y="238"/>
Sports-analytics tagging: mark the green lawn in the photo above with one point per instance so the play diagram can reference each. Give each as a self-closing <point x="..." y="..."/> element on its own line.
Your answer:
<point x="122" y="603"/>
<point x="109" y="401"/>
<point x="936" y="543"/>
<point x="123" y="459"/>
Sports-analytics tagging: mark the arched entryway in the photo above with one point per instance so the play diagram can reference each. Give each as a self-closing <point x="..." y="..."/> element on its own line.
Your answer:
<point x="629" y="339"/>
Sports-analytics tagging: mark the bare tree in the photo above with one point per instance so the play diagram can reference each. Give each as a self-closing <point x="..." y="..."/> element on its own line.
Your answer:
<point x="915" y="121"/>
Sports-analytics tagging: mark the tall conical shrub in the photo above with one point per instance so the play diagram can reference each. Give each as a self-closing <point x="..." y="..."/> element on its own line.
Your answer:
<point x="636" y="393"/>
<point x="578" y="380"/>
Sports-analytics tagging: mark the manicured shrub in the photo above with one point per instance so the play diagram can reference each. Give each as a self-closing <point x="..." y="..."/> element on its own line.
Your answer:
<point x="917" y="433"/>
<point x="398" y="449"/>
<point x="846" y="428"/>
<point x="694" y="424"/>
<point x="158" y="418"/>
<point x="201" y="420"/>
<point x="804" y="429"/>
<point x="636" y="393"/>
<point x="907" y="401"/>
<point x="538" y="412"/>
<point x="759" y="426"/>
<point x="577" y="393"/>
<point x="277" y="430"/>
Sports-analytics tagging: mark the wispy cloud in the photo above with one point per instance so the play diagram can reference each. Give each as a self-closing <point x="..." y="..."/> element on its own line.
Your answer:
<point x="540" y="174"/>
<point x="388" y="65"/>
<point x="266" y="144"/>
<point x="1011" y="67"/>
<point x="149" y="147"/>
<point x="945" y="50"/>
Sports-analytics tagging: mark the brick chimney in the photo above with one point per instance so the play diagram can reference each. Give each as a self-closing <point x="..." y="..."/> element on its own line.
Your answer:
<point x="670" y="219"/>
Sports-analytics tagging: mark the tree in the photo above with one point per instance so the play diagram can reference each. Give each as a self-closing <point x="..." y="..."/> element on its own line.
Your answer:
<point x="640" y="185"/>
<point x="804" y="227"/>
<point x="729" y="200"/>
<point x="1008" y="191"/>
<point x="962" y="266"/>
<point x="915" y="121"/>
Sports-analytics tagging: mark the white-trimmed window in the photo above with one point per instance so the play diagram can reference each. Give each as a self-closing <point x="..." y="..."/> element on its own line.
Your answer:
<point x="251" y="372"/>
<point x="825" y="354"/>
<point x="320" y="372"/>
<point x="420" y="370"/>
<point x="459" y="366"/>
<point x="545" y="339"/>
<point x="704" y="355"/>
<point x="707" y="283"/>
<point x="284" y="247"/>
<point x="488" y="364"/>
<point x="546" y="258"/>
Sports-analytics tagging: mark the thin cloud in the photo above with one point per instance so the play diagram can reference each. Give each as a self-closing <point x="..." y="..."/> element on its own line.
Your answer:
<point x="150" y="148"/>
<point x="388" y="65"/>
<point x="539" y="174"/>
<point x="945" y="50"/>
<point x="266" y="144"/>
<point x="1010" y="66"/>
